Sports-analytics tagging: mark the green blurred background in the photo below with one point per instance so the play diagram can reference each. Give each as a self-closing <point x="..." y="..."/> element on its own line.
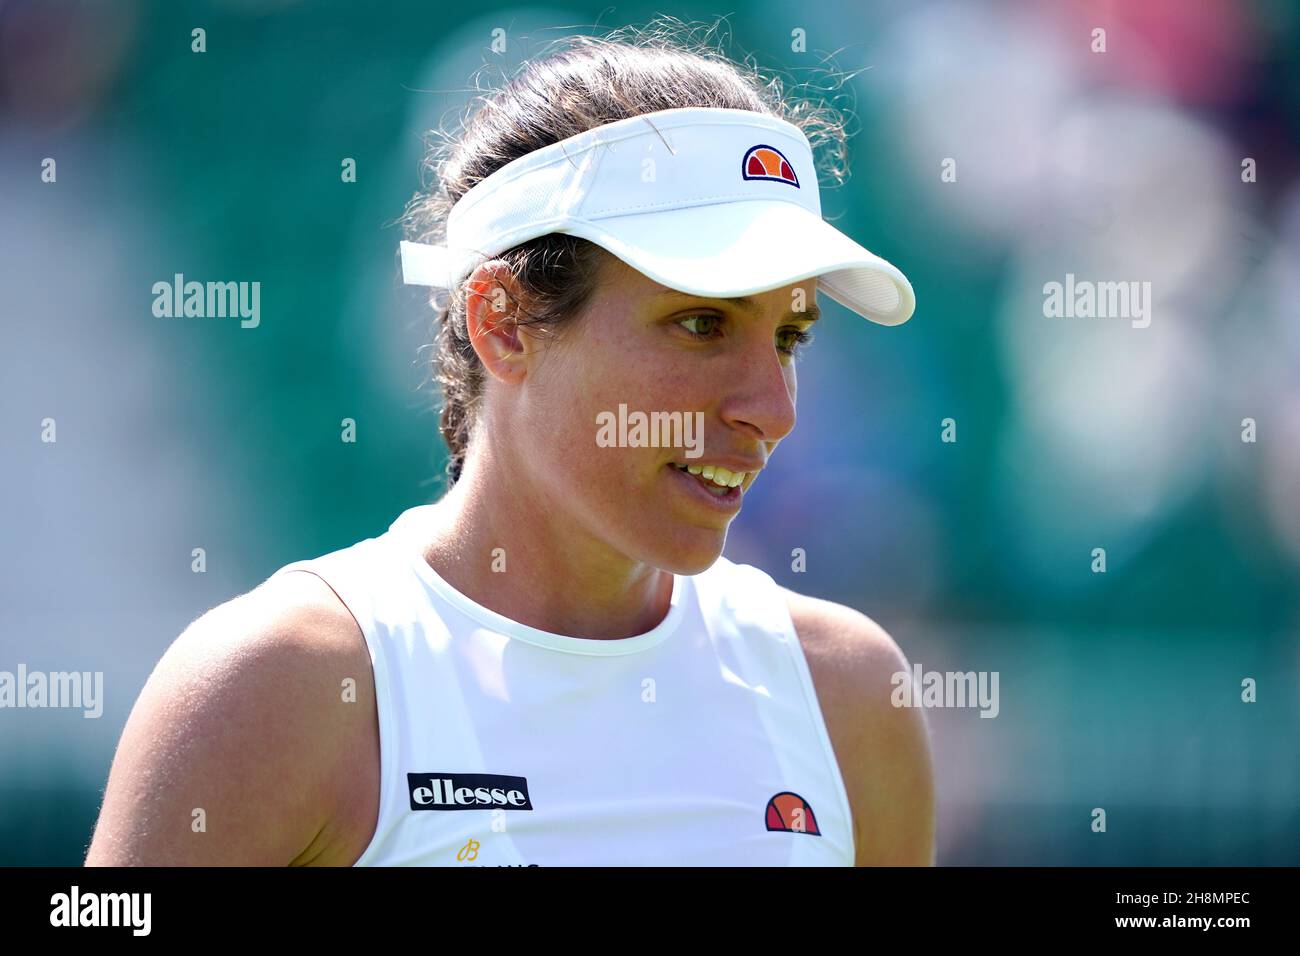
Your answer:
<point x="1119" y="690"/>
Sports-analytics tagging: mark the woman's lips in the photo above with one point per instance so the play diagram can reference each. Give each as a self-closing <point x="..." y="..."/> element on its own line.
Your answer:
<point x="727" y="501"/>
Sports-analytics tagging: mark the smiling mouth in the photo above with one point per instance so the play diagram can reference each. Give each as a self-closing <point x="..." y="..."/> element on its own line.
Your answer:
<point x="718" y="481"/>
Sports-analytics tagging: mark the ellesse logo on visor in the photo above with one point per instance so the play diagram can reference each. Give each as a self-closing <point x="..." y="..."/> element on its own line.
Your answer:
<point x="768" y="162"/>
<point x="440" y="790"/>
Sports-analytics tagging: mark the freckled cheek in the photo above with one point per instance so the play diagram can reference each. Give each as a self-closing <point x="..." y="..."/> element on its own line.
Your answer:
<point x="607" y="372"/>
<point x="571" y="449"/>
<point x="664" y="383"/>
<point x="641" y="379"/>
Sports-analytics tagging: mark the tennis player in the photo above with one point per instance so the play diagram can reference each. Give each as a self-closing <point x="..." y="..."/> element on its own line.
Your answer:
<point x="553" y="664"/>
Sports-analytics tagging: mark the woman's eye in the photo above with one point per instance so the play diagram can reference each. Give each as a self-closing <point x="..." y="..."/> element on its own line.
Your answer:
<point x="704" y="327"/>
<point x="709" y="323"/>
<point x="793" y="340"/>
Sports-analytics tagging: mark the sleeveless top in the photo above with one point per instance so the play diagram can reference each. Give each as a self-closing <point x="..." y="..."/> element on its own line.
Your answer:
<point x="698" y="743"/>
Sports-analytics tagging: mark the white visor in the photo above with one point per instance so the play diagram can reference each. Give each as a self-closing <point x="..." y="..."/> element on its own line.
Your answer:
<point x="711" y="202"/>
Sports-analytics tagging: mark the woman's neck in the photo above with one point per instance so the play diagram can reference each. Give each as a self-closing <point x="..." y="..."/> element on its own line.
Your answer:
<point x="500" y="546"/>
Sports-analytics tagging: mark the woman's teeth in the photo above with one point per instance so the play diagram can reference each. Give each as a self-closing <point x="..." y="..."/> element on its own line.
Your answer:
<point x="717" y="480"/>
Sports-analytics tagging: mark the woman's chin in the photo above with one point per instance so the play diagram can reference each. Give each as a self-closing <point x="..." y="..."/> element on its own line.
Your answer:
<point x="692" y="552"/>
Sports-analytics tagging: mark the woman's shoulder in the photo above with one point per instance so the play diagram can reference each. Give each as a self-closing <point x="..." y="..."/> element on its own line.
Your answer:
<point x="883" y="750"/>
<point x="253" y="715"/>
<point x="850" y="654"/>
<point x="840" y="630"/>
<point x="294" y="616"/>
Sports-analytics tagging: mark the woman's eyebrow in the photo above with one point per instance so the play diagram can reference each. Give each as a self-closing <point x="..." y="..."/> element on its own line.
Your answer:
<point x="810" y="314"/>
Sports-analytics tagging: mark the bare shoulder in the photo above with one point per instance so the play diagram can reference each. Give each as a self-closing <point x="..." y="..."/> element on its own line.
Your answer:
<point x="845" y="636"/>
<point x="883" y="750"/>
<point x="234" y="751"/>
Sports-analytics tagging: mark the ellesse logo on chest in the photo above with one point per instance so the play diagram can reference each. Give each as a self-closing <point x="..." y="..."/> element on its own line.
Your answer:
<point x="440" y="790"/>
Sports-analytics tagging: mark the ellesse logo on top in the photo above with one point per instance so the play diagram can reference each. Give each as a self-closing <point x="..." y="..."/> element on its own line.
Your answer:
<point x="440" y="790"/>
<point x="792" y="813"/>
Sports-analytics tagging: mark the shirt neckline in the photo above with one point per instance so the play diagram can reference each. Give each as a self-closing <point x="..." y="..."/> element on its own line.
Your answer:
<point x="594" y="647"/>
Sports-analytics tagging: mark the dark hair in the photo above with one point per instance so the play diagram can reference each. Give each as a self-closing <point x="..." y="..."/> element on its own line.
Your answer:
<point x="587" y="83"/>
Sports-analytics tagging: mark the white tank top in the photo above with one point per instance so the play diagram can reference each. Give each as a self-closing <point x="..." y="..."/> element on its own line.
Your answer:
<point x="697" y="743"/>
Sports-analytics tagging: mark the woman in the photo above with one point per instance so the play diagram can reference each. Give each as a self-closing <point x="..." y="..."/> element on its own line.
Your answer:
<point x="553" y="664"/>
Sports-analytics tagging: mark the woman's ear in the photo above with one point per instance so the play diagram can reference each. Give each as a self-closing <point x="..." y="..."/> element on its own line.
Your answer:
<point x="494" y="303"/>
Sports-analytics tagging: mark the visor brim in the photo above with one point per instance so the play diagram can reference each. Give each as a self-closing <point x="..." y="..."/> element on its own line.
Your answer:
<point x="743" y="248"/>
